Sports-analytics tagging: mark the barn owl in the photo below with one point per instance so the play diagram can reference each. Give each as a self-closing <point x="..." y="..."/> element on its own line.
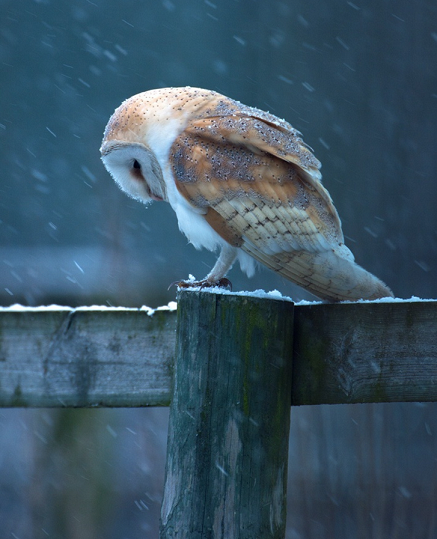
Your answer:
<point x="241" y="181"/>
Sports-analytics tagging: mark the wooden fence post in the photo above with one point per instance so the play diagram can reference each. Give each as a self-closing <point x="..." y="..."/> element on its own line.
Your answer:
<point x="226" y="472"/>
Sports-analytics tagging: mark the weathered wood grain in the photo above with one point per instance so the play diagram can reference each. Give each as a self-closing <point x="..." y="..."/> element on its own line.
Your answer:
<point x="86" y="357"/>
<point x="369" y="352"/>
<point x="227" y="451"/>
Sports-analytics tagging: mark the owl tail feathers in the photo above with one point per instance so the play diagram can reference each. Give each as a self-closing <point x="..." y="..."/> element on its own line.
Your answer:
<point x="332" y="277"/>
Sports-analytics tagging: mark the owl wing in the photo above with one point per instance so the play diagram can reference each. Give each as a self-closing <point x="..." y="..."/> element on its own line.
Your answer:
<point x="259" y="188"/>
<point x="259" y="180"/>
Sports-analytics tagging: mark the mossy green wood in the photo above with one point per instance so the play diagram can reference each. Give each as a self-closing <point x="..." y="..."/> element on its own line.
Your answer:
<point x="226" y="472"/>
<point x="368" y="352"/>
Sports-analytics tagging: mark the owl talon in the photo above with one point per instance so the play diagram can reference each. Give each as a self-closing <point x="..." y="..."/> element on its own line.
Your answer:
<point x="223" y="283"/>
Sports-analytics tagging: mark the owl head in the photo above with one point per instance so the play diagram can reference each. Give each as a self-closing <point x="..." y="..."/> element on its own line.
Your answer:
<point x="126" y="150"/>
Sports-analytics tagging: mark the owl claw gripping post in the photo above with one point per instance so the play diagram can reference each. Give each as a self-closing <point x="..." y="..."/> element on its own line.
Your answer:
<point x="239" y="179"/>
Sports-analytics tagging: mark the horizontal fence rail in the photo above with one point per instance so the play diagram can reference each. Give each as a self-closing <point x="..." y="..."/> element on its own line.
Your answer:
<point x="86" y="357"/>
<point x="342" y="353"/>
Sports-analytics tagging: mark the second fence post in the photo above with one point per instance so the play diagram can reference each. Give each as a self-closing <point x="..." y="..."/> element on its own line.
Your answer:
<point x="226" y="472"/>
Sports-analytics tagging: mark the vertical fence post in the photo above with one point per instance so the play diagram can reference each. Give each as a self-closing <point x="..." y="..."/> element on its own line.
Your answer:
<point x="226" y="471"/>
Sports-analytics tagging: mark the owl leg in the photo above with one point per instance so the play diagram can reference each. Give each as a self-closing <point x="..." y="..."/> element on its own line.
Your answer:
<point x="224" y="262"/>
<point x="216" y="277"/>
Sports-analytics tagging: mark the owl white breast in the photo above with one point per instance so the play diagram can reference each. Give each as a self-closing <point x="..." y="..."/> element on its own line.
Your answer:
<point x="240" y="180"/>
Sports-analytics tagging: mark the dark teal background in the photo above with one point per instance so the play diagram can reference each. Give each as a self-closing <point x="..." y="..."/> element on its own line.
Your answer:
<point x="359" y="80"/>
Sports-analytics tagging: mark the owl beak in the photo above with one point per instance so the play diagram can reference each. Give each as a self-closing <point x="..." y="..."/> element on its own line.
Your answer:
<point x="154" y="197"/>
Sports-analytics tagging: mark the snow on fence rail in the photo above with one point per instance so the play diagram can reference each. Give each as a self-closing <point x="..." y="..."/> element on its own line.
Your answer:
<point x="231" y="365"/>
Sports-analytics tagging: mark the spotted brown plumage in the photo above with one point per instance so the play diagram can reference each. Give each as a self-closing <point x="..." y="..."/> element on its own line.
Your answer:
<point x="240" y="180"/>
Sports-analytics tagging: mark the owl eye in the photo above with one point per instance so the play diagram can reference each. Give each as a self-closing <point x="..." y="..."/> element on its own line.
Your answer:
<point x="136" y="170"/>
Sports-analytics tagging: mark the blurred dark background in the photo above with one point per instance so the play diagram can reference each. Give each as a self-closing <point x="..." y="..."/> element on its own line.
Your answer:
<point x="359" y="80"/>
